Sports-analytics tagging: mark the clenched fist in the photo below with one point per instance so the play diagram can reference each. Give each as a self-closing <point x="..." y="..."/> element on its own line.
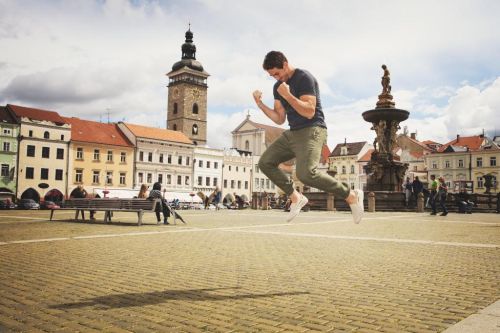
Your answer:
<point x="257" y="96"/>
<point x="284" y="90"/>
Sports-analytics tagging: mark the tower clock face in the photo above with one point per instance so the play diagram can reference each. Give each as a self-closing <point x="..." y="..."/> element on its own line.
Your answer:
<point x="175" y="93"/>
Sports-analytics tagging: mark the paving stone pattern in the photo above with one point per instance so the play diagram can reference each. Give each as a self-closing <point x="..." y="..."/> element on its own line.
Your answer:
<point x="247" y="271"/>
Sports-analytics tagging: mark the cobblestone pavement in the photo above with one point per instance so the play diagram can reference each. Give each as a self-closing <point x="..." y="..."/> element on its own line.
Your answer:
<point x="246" y="271"/>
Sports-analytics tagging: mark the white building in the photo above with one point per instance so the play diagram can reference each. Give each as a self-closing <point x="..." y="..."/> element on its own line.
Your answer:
<point x="345" y="163"/>
<point x="236" y="174"/>
<point x="208" y="164"/>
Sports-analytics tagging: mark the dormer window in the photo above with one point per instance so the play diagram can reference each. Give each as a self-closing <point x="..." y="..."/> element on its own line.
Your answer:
<point x="343" y="150"/>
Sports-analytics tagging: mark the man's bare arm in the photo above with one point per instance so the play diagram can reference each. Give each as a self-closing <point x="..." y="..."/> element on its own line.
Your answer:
<point x="305" y="105"/>
<point x="277" y="114"/>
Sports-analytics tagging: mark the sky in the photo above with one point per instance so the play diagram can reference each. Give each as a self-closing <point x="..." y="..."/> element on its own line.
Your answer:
<point x="108" y="59"/>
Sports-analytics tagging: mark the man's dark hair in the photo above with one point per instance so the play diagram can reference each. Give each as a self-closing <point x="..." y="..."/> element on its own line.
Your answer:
<point x="274" y="59"/>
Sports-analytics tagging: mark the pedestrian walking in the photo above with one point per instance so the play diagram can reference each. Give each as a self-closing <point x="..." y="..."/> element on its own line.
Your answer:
<point x="408" y="188"/>
<point x="297" y="98"/>
<point x="442" y="194"/>
<point x="417" y="188"/>
<point x="433" y="187"/>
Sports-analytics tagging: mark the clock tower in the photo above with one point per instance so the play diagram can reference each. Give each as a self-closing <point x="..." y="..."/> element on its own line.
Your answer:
<point x="187" y="95"/>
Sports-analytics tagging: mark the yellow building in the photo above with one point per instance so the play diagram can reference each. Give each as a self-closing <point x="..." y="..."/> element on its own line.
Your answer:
<point x="101" y="159"/>
<point x="43" y="153"/>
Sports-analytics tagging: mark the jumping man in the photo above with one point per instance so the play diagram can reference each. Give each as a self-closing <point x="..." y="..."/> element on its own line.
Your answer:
<point x="296" y="97"/>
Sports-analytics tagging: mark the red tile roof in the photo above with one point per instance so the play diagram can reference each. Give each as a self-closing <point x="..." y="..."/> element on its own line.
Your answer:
<point x="367" y="156"/>
<point x="325" y="153"/>
<point x="471" y="142"/>
<point x="96" y="132"/>
<point x="36" y="114"/>
<point x="158" y="133"/>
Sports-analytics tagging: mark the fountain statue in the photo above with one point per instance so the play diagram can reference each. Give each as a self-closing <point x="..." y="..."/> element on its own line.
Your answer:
<point x="384" y="172"/>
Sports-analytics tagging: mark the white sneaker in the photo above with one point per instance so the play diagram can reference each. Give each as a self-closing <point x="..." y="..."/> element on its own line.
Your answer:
<point x="296" y="207"/>
<point x="358" y="208"/>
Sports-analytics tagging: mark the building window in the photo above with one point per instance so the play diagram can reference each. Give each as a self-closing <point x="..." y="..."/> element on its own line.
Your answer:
<point x="256" y="183"/>
<point x="140" y="177"/>
<point x="267" y="183"/>
<point x="493" y="161"/>
<point x="7" y="131"/>
<point x="480" y="183"/>
<point x="229" y="168"/>
<point x="225" y="183"/>
<point x="479" y="162"/>
<point x="46" y="135"/>
<point x="247" y="145"/>
<point x="239" y="184"/>
<point x="149" y="179"/>
<point x="62" y="137"/>
<point x="45" y="152"/>
<point x="215" y="181"/>
<point x="169" y="179"/>
<point x="200" y="180"/>
<point x="150" y="157"/>
<point x="95" y="177"/>
<point x="460" y="163"/>
<point x="78" y="175"/>
<point x="30" y="133"/>
<point x="30" y="173"/>
<point x="174" y="127"/>
<point x="179" y="160"/>
<point x="195" y="108"/>
<point x="446" y="164"/>
<point x="79" y="153"/>
<point x="256" y="168"/>
<point x="187" y="160"/>
<point x="232" y="183"/>
<point x="194" y="130"/>
<point x="434" y="165"/>
<point x="110" y="156"/>
<point x="160" y="178"/>
<point x="109" y="178"/>
<point x="246" y="184"/>
<point x="44" y="173"/>
<point x="200" y="163"/>
<point x="60" y="154"/>
<point x="237" y="169"/>
<point x="59" y="174"/>
<point x="343" y="169"/>
<point x="141" y="156"/>
<point x="216" y="165"/>
<point x="169" y="159"/>
<point x="5" y="170"/>
<point x="30" y="151"/>
<point x="175" y="108"/>
<point x="352" y="168"/>
<point x="6" y="146"/>
<point x="161" y="158"/>
<point x="207" y="181"/>
<point x="123" y="157"/>
<point x="208" y="164"/>
<point x="179" y="180"/>
<point x="122" y="178"/>
<point x="96" y="154"/>
<point x="186" y="181"/>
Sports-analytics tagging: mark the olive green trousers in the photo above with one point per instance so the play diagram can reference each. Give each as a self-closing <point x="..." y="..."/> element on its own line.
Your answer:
<point x="305" y="145"/>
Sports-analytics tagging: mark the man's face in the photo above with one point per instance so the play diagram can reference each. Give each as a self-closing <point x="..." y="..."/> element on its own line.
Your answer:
<point x="279" y="74"/>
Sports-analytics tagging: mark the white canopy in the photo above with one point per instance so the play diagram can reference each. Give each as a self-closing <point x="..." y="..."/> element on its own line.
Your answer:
<point x="128" y="194"/>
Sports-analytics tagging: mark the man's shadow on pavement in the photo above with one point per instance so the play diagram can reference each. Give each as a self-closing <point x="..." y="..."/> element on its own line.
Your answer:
<point x="157" y="297"/>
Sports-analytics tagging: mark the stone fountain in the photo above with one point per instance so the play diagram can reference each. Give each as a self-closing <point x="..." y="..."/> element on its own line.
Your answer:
<point x="384" y="172"/>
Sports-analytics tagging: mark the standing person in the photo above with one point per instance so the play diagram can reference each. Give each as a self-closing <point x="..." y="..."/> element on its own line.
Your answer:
<point x="464" y="203"/>
<point x="417" y="188"/>
<point x="442" y="194"/>
<point x="81" y="193"/>
<point x="143" y="192"/>
<point x="296" y="97"/>
<point x="407" y="186"/>
<point x="433" y="186"/>
<point x="155" y="193"/>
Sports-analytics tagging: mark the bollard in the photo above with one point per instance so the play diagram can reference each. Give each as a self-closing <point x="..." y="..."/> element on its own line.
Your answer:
<point x="371" y="202"/>
<point x="330" y="202"/>
<point x="420" y="203"/>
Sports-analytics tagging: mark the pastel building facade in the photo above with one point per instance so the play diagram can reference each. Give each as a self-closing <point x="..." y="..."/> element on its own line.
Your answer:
<point x="9" y="130"/>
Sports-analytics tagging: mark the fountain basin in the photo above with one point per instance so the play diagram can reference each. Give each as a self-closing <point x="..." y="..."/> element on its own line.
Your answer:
<point x="375" y="115"/>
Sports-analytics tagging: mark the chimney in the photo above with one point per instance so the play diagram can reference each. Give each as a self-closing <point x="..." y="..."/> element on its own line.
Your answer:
<point x="413" y="136"/>
<point x="458" y="137"/>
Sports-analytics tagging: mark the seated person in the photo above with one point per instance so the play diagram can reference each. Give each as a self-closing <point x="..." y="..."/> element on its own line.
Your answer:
<point x="464" y="203"/>
<point x="155" y="193"/>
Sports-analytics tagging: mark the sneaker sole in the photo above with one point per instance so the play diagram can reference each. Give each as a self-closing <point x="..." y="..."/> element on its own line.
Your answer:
<point x="290" y="218"/>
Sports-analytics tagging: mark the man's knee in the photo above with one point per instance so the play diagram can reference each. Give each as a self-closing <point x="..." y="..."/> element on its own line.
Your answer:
<point x="266" y="163"/>
<point x="307" y="176"/>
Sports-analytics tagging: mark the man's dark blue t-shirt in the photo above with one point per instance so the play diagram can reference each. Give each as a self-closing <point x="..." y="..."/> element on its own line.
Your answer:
<point x="301" y="83"/>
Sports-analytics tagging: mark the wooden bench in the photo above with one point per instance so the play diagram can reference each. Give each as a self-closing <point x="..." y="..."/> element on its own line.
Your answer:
<point x="108" y="206"/>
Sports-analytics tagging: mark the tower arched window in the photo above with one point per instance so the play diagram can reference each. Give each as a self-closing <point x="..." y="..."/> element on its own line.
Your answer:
<point x="175" y="108"/>
<point x="195" y="129"/>
<point x="46" y="135"/>
<point x="343" y="169"/>
<point x="247" y="145"/>
<point x="174" y="127"/>
<point x="195" y="108"/>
